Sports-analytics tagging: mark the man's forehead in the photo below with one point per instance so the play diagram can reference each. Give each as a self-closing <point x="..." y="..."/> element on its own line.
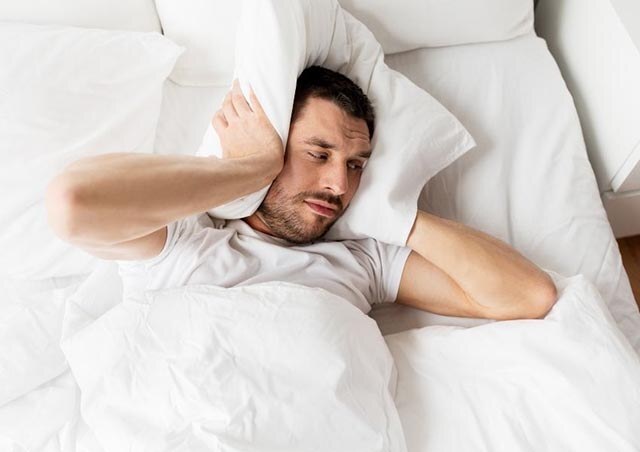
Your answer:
<point x="321" y="122"/>
<point x="327" y="111"/>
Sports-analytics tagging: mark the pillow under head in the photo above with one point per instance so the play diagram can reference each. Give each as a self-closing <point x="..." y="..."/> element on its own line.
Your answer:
<point x="404" y="25"/>
<point x="415" y="135"/>
<point x="207" y="28"/>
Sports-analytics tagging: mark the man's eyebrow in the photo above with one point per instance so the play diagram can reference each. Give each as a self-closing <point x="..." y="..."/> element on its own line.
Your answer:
<point x="315" y="141"/>
<point x="324" y="144"/>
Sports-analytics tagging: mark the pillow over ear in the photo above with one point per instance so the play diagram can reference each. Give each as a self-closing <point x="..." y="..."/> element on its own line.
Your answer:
<point x="292" y="36"/>
<point x="415" y="136"/>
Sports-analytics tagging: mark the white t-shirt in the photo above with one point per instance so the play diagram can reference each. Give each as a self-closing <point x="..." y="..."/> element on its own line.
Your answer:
<point x="204" y="250"/>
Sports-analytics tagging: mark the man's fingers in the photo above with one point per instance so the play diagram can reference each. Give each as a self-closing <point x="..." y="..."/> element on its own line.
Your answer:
<point x="239" y="102"/>
<point x="255" y="103"/>
<point x="228" y="109"/>
<point x="219" y="122"/>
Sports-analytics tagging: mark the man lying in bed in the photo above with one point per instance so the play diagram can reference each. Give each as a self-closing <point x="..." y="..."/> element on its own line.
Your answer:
<point x="146" y="211"/>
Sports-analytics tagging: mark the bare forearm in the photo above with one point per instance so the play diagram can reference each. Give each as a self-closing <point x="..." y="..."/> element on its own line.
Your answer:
<point x="117" y="197"/>
<point x="492" y="273"/>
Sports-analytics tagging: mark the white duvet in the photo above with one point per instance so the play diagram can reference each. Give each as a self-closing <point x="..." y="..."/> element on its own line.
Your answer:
<point x="269" y="367"/>
<point x="570" y="382"/>
<point x="278" y="367"/>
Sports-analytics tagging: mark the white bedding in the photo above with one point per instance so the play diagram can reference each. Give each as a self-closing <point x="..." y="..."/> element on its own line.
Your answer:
<point x="278" y="366"/>
<point x="272" y="366"/>
<point x="529" y="183"/>
<point x="570" y="382"/>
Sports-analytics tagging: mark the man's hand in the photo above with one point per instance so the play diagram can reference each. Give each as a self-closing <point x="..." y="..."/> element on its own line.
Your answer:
<point x="245" y="130"/>
<point x="87" y="202"/>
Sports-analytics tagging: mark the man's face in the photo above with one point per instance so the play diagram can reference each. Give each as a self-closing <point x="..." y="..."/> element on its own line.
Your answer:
<point x="326" y="152"/>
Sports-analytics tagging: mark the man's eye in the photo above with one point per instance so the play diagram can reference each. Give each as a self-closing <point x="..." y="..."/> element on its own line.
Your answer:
<point x="356" y="166"/>
<point x="317" y="156"/>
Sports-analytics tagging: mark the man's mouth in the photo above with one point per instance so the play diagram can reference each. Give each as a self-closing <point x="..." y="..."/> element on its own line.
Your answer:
<point x="322" y="208"/>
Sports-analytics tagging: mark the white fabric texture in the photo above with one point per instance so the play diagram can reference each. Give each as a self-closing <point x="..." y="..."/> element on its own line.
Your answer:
<point x="132" y="15"/>
<point x="199" y="250"/>
<point x="404" y="25"/>
<point x="529" y="181"/>
<point x="44" y="420"/>
<point x="67" y="93"/>
<point x="30" y="330"/>
<point x="513" y="99"/>
<point x="415" y="136"/>
<point x="273" y="366"/>
<point x="207" y="29"/>
<point x="147" y="368"/>
<point x="185" y="116"/>
<point x="47" y="418"/>
<point x="568" y="382"/>
<point x="520" y="155"/>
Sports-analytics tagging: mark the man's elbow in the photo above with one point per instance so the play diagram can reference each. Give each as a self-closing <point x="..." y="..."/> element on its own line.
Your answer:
<point x="61" y="200"/>
<point x="534" y="301"/>
<point x="544" y="299"/>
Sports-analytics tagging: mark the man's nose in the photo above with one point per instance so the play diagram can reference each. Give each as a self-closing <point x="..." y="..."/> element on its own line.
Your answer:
<point x="336" y="179"/>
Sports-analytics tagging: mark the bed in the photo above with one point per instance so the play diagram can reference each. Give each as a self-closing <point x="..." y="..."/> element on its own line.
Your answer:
<point x="527" y="182"/>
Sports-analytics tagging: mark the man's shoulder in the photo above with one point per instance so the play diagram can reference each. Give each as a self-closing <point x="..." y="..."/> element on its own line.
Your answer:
<point x="367" y="242"/>
<point x="356" y="246"/>
<point x="192" y="226"/>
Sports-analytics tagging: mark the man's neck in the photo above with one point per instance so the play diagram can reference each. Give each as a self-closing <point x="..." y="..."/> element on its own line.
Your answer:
<point x="256" y="222"/>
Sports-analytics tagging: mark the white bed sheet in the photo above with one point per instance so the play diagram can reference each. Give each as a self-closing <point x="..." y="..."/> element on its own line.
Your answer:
<point x="528" y="182"/>
<point x="512" y="99"/>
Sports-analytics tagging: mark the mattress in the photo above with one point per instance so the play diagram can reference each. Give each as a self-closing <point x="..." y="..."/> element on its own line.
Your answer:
<point x="528" y="181"/>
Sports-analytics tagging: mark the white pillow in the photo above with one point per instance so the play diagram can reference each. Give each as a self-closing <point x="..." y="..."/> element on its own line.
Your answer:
<point x="67" y="93"/>
<point x="185" y="115"/>
<point x="403" y="25"/>
<point x="207" y="28"/>
<point x="273" y="366"/>
<point x="568" y="382"/>
<point x="133" y="15"/>
<point x="415" y="136"/>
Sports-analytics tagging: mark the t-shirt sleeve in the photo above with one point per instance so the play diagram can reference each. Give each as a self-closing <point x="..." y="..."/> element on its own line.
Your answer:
<point x="137" y="273"/>
<point x="176" y="231"/>
<point x="384" y="264"/>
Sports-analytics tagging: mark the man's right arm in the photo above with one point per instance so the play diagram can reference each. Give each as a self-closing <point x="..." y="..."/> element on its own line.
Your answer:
<point x="117" y="206"/>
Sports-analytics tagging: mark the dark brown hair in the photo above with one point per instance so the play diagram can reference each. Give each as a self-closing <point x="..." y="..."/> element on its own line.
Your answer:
<point x="316" y="81"/>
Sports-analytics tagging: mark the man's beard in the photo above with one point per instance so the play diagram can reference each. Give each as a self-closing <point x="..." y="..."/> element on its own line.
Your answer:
<point x="283" y="216"/>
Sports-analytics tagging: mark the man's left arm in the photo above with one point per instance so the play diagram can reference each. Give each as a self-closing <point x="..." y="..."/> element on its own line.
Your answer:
<point x="456" y="270"/>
